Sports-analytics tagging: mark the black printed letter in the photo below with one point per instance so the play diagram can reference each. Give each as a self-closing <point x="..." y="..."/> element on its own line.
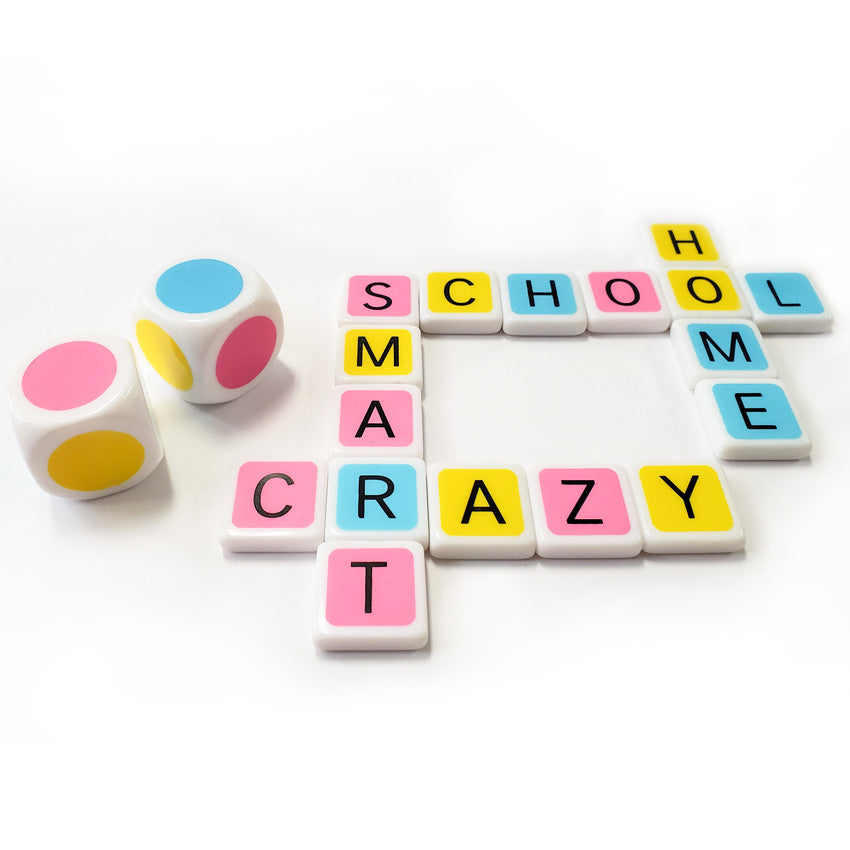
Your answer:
<point x="448" y="294"/>
<point x="552" y="293"/>
<point x="718" y="294"/>
<point x="745" y="411"/>
<point x="677" y="242"/>
<point x="368" y="566"/>
<point x="573" y="518"/>
<point x="478" y="486"/>
<point x="258" y="495"/>
<point x="686" y="495"/>
<point x="609" y="291"/>
<point x="735" y="341"/>
<point x="386" y="298"/>
<point x="375" y="407"/>
<point x="380" y="498"/>
<point x="392" y="345"/>
<point x="779" y="302"/>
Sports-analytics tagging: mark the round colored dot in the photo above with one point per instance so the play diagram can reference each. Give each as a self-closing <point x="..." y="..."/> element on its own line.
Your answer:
<point x="96" y="460"/>
<point x="164" y="354"/>
<point x="246" y="352"/>
<point x="199" y="286"/>
<point x="69" y="375"/>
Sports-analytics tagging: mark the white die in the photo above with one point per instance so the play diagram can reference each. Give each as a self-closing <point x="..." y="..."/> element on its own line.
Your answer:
<point x="82" y="420"/>
<point x="211" y="328"/>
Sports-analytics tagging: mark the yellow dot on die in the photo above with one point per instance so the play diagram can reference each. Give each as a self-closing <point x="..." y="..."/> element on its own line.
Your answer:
<point x="96" y="460"/>
<point x="164" y="354"/>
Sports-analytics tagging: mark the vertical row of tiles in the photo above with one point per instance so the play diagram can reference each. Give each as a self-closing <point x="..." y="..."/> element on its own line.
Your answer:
<point x="745" y="409"/>
<point x="371" y="588"/>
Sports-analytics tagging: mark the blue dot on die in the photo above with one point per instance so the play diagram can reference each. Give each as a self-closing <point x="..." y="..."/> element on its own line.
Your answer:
<point x="199" y="286"/>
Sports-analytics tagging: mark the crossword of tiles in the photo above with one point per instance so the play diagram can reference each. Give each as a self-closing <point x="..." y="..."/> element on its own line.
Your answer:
<point x="372" y="510"/>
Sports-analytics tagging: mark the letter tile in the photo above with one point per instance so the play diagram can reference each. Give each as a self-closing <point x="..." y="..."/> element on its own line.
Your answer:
<point x="717" y="348"/>
<point x="480" y="513"/>
<point x="584" y="512"/>
<point x="371" y="596"/>
<point x="377" y="419"/>
<point x="785" y="302"/>
<point x="751" y="420"/>
<point x="279" y="506"/>
<point x="379" y="299"/>
<point x="460" y="303"/>
<point x="703" y="293"/>
<point x="683" y="243"/>
<point x="686" y="508"/>
<point x="377" y="499"/>
<point x="542" y="305"/>
<point x="377" y="354"/>
<point x="624" y="302"/>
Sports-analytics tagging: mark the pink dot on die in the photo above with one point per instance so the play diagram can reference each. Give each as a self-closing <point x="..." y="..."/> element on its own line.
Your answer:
<point x="246" y="352"/>
<point x="69" y="375"/>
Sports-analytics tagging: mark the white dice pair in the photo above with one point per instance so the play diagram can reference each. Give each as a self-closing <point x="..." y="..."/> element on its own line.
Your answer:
<point x="210" y="328"/>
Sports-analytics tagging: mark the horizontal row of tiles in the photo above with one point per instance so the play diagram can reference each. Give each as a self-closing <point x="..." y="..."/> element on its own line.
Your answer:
<point x="483" y="512"/>
<point x="559" y="304"/>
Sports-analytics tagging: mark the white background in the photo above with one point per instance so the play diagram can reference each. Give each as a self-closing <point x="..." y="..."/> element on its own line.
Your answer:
<point x="156" y="693"/>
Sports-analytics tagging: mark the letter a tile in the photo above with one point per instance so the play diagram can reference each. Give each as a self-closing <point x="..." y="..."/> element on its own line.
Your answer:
<point x="377" y="420"/>
<point x="686" y="508"/>
<point x="480" y="513"/>
<point x="371" y="596"/>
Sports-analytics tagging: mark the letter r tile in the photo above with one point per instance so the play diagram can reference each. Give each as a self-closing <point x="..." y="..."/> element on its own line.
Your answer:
<point x="377" y="499"/>
<point x="371" y="596"/>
